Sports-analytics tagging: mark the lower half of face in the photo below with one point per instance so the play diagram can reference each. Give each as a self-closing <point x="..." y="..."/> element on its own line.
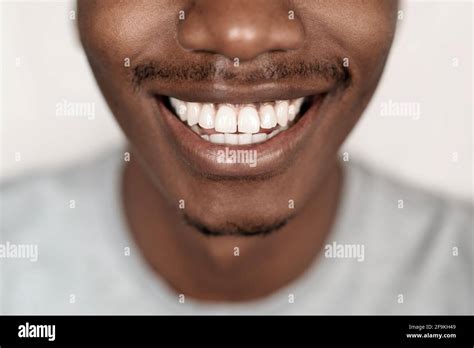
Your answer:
<point x="237" y="139"/>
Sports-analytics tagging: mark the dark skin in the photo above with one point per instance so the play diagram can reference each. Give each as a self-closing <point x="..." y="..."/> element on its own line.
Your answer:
<point x="235" y="200"/>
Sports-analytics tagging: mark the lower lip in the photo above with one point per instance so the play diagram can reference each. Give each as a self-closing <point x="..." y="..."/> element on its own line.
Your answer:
<point x="273" y="155"/>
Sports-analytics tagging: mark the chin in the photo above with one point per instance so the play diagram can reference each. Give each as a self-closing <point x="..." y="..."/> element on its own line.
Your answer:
<point x="246" y="223"/>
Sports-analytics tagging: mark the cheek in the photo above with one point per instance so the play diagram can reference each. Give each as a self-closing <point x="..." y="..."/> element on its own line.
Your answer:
<point x="367" y="36"/>
<point x="112" y="31"/>
<point x="113" y="35"/>
<point x="361" y="31"/>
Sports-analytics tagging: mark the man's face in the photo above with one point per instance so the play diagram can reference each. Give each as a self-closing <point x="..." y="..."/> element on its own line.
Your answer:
<point x="245" y="67"/>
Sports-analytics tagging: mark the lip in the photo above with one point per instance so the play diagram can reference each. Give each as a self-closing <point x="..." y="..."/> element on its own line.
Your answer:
<point x="273" y="155"/>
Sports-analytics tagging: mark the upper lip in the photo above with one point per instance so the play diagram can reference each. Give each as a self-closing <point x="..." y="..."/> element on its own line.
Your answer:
<point x="224" y="93"/>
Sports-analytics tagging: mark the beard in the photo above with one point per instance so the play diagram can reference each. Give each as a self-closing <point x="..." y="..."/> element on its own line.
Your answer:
<point x="240" y="229"/>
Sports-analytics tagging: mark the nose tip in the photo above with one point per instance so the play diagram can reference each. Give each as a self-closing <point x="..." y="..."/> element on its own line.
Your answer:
<point x="240" y="29"/>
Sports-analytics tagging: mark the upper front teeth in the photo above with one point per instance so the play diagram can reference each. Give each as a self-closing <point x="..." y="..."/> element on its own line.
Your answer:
<point x="206" y="116"/>
<point x="245" y="118"/>
<point x="226" y="119"/>
<point x="249" y="121"/>
<point x="281" y="111"/>
<point x="192" y="113"/>
<point x="267" y="116"/>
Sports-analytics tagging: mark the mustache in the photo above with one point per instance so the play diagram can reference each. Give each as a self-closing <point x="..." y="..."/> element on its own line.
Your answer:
<point x="332" y="70"/>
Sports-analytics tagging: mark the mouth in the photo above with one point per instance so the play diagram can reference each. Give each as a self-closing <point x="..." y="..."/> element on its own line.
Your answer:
<point x="238" y="124"/>
<point x="274" y="130"/>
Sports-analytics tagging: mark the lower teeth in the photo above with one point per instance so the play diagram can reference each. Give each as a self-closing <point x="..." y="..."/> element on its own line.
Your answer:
<point x="237" y="138"/>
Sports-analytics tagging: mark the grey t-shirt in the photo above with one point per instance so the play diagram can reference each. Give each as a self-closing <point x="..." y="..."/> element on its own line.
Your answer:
<point x="393" y="250"/>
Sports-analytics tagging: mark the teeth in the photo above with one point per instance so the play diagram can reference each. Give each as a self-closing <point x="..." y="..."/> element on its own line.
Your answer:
<point x="239" y="123"/>
<point x="294" y="108"/>
<point x="259" y="137"/>
<point x="272" y="134"/>
<point x="249" y="121"/>
<point x="217" y="138"/>
<point x="206" y="116"/>
<point x="195" y="129"/>
<point x="192" y="113"/>
<point x="281" y="111"/>
<point x="298" y="102"/>
<point x="226" y="119"/>
<point x="242" y="139"/>
<point x="245" y="139"/>
<point x="267" y="117"/>
<point x="291" y="112"/>
<point x="180" y="107"/>
<point x="232" y="139"/>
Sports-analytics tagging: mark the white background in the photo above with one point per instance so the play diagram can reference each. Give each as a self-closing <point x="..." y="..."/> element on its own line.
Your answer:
<point x="43" y="64"/>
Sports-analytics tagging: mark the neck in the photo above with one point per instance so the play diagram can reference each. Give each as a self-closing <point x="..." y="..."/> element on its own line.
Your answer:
<point x="226" y="268"/>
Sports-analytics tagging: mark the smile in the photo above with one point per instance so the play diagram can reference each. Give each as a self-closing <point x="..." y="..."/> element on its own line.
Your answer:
<point x="238" y="124"/>
<point x="275" y="131"/>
